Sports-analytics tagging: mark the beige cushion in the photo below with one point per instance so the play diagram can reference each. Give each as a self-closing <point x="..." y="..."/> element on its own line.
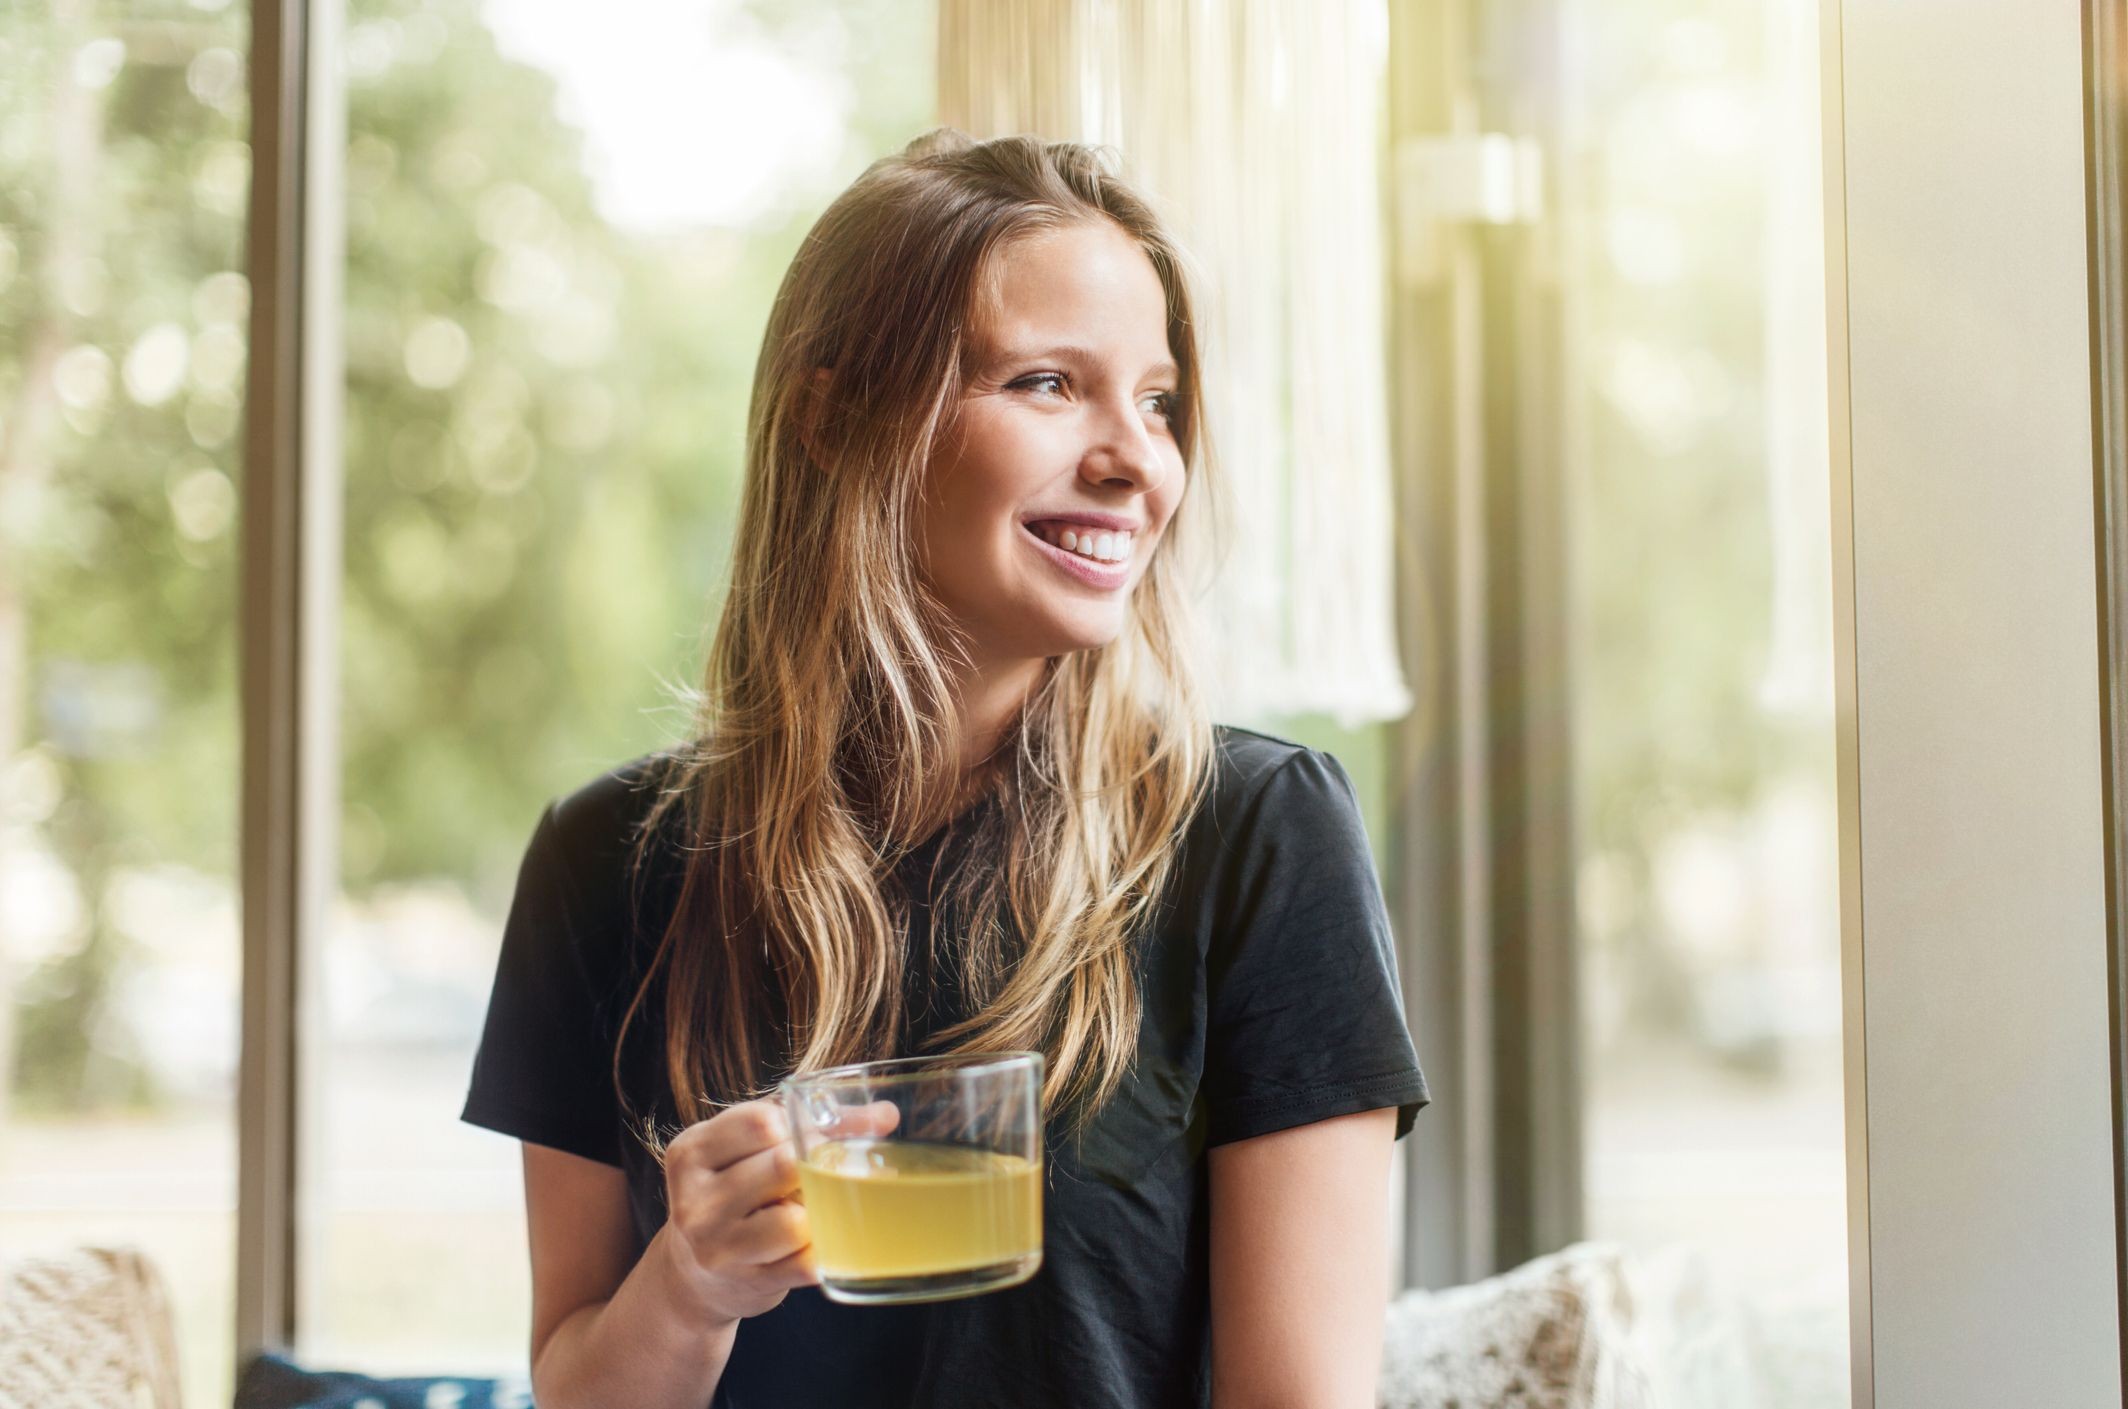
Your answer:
<point x="87" y="1329"/>
<point x="1550" y="1334"/>
<point x="1594" y="1326"/>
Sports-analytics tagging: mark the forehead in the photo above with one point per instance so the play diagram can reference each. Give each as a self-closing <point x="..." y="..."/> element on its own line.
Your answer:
<point x="1087" y="283"/>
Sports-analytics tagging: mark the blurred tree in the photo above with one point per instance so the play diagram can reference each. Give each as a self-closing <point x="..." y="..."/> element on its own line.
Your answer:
<point x="114" y="642"/>
<point x="545" y="418"/>
<point x="1674" y="586"/>
<point x="545" y="422"/>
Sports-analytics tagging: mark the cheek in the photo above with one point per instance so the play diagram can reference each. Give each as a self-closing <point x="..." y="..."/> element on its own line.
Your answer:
<point x="953" y="499"/>
<point x="1168" y="499"/>
<point x="995" y="473"/>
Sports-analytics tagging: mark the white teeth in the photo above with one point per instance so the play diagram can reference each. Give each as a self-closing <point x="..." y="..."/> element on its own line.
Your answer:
<point x="1087" y="543"/>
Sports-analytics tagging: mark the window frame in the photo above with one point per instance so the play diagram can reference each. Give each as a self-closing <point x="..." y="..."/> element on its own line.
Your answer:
<point x="1471" y="977"/>
<point x="1482" y="850"/>
<point x="288" y="646"/>
<point x="2106" y="206"/>
<point x="1916" y="1330"/>
<point x="1960" y="111"/>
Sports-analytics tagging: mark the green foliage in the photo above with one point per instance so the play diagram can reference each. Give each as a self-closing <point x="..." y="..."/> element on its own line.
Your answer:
<point x="121" y="202"/>
<point x="542" y="446"/>
<point x="544" y="425"/>
<point x="1672" y="536"/>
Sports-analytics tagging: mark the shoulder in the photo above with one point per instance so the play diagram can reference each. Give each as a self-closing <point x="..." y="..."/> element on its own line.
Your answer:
<point x="611" y="805"/>
<point x="589" y="833"/>
<point x="1260" y="778"/>
<point x="1247" y="756"/>
<point x="1271" y="795"/>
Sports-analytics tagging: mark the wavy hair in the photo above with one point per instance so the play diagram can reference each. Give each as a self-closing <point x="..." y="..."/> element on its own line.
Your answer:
<point x="821" y="746"/>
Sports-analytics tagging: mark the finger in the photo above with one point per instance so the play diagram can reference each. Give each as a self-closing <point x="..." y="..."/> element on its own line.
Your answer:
<point x="769" y="1235"/>
<point x="733" y="1135"/>
<point x="760" y="1179"/>
<point x="875" y="1118"/>
<point x="800" y="1269"/>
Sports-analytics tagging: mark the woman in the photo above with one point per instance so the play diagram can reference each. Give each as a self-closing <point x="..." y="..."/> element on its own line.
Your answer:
<point x="951" y="788"/>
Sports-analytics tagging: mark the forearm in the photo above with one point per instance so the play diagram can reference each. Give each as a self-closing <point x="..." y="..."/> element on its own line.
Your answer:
<point x="647" y="1347"/>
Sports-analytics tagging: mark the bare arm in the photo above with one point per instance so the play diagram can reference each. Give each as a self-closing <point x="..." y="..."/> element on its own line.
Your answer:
<point x="734" y="1244"/>
<point x="1300" y="1264"/>
<point x="603" y="1333"/>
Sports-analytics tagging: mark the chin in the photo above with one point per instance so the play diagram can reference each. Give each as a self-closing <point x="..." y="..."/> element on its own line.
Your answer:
<point x="1063" y="637"/>
<point x="1091" y="633"/>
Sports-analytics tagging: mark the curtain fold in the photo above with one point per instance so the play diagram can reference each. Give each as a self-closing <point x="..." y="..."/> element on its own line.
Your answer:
<point x="1254" y="126"/>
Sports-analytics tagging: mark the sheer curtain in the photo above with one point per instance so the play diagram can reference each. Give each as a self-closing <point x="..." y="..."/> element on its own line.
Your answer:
<point x="1254" y="126"/>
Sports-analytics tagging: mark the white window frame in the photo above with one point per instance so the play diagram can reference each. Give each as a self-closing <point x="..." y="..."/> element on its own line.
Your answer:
<point x="288" y="614"/>
<point x="1982" y="1033"/>
<point x="1975" y="242"/>
<point x="1974" y="232"/>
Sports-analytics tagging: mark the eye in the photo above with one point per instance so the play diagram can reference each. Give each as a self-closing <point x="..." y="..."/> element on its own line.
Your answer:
<point x="1032" y="378"/>
<point x="1170" y="404"/>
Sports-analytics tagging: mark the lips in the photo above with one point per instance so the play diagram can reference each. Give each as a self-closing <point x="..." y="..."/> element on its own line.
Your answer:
<point x="1106" y="577"/>
<point x="1102" y="545"/>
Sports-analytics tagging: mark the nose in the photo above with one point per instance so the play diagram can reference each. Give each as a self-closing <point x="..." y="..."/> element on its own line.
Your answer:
<point x="1124" y="454"/>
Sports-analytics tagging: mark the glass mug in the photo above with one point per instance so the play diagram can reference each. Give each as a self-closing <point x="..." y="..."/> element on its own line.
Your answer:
<point x="921" y="1176"/>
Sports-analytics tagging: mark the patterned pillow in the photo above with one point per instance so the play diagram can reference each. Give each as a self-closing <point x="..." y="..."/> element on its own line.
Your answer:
<point x="1550" y="1334"/>
<point x="86" y="1326"/>
<point x="273" y="1382"/>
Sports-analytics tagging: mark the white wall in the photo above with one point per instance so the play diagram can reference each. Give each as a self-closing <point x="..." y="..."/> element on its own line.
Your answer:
<point x="1980" y="1110"/>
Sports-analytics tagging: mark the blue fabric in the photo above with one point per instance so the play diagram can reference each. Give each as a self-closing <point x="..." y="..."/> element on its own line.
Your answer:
<point x="275" y="1382"/>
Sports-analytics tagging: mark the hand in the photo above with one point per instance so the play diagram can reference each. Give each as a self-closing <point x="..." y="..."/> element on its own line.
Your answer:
<point x="740" y="1235"/>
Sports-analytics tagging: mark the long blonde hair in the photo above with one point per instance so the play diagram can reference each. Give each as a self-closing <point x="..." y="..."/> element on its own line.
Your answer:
<point x="820" y="751"/>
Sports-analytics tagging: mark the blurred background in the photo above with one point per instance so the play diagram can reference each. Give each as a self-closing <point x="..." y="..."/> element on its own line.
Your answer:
<point x="559" y="248"/>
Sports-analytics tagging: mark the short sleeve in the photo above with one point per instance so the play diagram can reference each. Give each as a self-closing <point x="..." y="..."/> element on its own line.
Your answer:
<point x="1305" y="1019"/>
<point x="543" y="1070"/>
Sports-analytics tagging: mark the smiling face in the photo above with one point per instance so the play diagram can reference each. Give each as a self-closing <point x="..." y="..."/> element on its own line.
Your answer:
<point x="1061" y="473"/>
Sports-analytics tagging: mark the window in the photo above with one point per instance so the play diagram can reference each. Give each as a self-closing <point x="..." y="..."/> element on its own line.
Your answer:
<point x="1619" y="831"/>
<point x="561" y="242"/>
<point x="1617" y="785"/>
<point x="124" y="172"/>
<point x="548" y="282"/>
<point x="1706" y="857"/>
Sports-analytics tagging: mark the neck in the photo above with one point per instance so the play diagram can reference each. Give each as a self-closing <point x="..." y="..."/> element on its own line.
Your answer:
<point x="990" y="698"/>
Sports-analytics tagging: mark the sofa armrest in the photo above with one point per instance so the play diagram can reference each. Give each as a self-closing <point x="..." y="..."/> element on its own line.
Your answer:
<point x="89" y="1326"/>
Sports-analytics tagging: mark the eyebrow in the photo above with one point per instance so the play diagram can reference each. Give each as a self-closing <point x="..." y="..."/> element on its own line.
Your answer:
<point x="1068" y="351"/>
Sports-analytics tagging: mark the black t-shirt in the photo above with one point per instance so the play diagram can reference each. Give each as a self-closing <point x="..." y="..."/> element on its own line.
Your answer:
<point x="1271" y="1000"/>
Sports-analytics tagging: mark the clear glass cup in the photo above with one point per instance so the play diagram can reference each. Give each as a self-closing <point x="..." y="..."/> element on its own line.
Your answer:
<point x="922" y="1177"/>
